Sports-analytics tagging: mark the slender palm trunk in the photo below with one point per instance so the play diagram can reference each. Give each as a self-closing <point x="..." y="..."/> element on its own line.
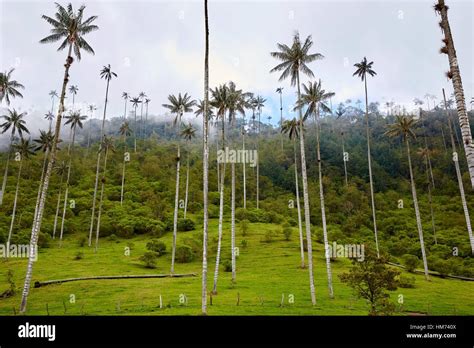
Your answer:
<point x="66" y="192"/>
<point x="205" y="167"/>
<point x="101" y="200"/>
<point x="187" y="185"/>
<point x="344" y="159"/>
<point x="458" y="90"/>
<point x="15" y="203"/>
<point x="97" y="170"/>
<point x="55" y="225"/>
<point x="135" y="131"/>
<point x="232" y="222"/>
<point x="123" y="172"/>
<point x="45" y="162"/>
<point x="221" y="212"/>
<point x="428" y="153"/>
<point x="300" y="224"/>
<point x="141" y="121"/>
<point x="258" y="166"/>
<point x="39" y="216"/>
<point x="460" y="183"/>
<point x="5" y="175"/>
<point x="281" y="121"/>
<point x="306" y="200"/>
<point x="369" y="159"/>
<point x="125" y="111"/>
<point x="327" y="253"/>
<point x="218" y="166"/>
<point x="176" y="200"/>
<point x="417" y="211"/>
<point x="243" y="168"/>
<point x="89" y="135"/>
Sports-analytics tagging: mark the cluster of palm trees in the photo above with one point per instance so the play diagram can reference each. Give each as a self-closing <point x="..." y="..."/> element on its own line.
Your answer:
<point x="225" y="102"/>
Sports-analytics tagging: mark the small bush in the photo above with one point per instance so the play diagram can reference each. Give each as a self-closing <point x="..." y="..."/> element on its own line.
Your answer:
<point x="157" y="246"/>
<point x="44" y="240"/>
<point x="269" y="237"/>
<point x="79" y="255"/>
<point x="406" y="282"/>
<point x="113" y="238"/>
<point x="184" y="254"/>
<point x="227" y="265"/>
<point x="287" y="232"/>
<point x="82" y="241"/>
<point x="185" y="225"/>
<point x="149" y="259"/>
<point x="244" y="244"/>
<point x="410" y="262"/>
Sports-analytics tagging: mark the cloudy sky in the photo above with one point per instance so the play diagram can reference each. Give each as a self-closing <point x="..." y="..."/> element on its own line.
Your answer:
<point x="158" y="47"/>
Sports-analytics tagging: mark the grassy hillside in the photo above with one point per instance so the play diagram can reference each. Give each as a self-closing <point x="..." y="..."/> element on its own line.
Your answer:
<point x="265" y="271"/>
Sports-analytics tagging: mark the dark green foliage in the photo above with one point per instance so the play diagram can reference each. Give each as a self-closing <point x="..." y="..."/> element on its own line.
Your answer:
<point x="227" y="264"/>
<point x="244" y="226"/>
<point x="184" y="254"/>
<point x="12" y="288"/>
<point x="371" y="279"/>
<point x="157" y="246"/>
<point x="149" y="259"/>
<point x="410" y="262"/>
<point x="406" y="282"/>
<point x="185" y="225"/>
<point x="287" y="231"/>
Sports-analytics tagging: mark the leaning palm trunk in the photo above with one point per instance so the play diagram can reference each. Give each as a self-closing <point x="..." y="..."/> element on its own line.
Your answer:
<point x="5" y="175"/>
<point x="369" y="159"/>
<point x="221" y="213"/>
<point x="101" y="200"/>
<point x="14" y="204"/>
<point x="205" y="166"/>
<point x="417" y="211"/>
<point x="455" y="75"/>
<point x="300" y="224"/>
<point x="327" y="253"/>
<point x="96" y="184"/>
<point x="39" y="216"/>
<point x="55" y="225"/>
<point x="66" y="192"/>
<point x="45" y="162"/>
<point x="176" y="200"/>
<point x="460" y="183"/>
<point x="306" y="201"/>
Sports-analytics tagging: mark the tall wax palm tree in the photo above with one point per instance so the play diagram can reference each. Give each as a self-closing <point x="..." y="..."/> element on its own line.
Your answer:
<point x="107" y="74"/>
<point x="291" y="127"/>
<point x="73" y="89"/>
<point x="9" y="88"/>
<point x="459" y="178"/>
<point x="424" y="153"/>
<point x="428" y="152"/>
<point x="106" y="146"/>
<point x="364" y="68"/>
<point x="200" y="112"/>
<point x="53" y="95"/>
<point x="125" y="97"/>
<point x="403" y="126"/>
<point x="49" y="117"/>
<point x="259" y="104"/>
<point x="147" y="101"/>
<point x="74" y="120"/>
<point x="61" y="170"/>
<point x="339" y="112"/>
<point x="142" y="97"/>
<point x="24" y="148"/>
<point x="236" y="103"/>
<point x="455" y="75"/>
<point x="15" y="122"/>
<point x="220" y="103"/>
<point x="70" y="27"/>
<point x="188" y="133"/>
<point x="205" y="165"/>
<point x="314" y="97"/>
<point x="178" y="106"/>
<point x="135" y="102"/>
<point x="279" y="90"/>
<point x="294" y="60"/>
<point x="125" y="132"/>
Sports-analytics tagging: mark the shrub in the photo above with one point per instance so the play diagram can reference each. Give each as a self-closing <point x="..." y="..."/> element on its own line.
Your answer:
<point x="287" y="232"/>
<point x="244" y="244"/>
<point x="410" y="262"/>
<point x="157" y="246"/>
<point x="79" y="255"/>
<point x="244" y="226"/>
<point x="292" y="222"/>
<point x="82" y="241"/>
<point x="184" y="254"/>
<point x="227" y="265"/>
<point x="149" y="259"/>
<point x="113" y="238"/>
<point x="269" y="237"/>
<point x="44" y="240"/>
<point x="185" y="225"/>
<point x="406" y="282"/>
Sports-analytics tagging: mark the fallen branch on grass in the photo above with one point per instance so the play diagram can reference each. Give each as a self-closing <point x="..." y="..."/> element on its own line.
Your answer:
<point x="59" y="281"/>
